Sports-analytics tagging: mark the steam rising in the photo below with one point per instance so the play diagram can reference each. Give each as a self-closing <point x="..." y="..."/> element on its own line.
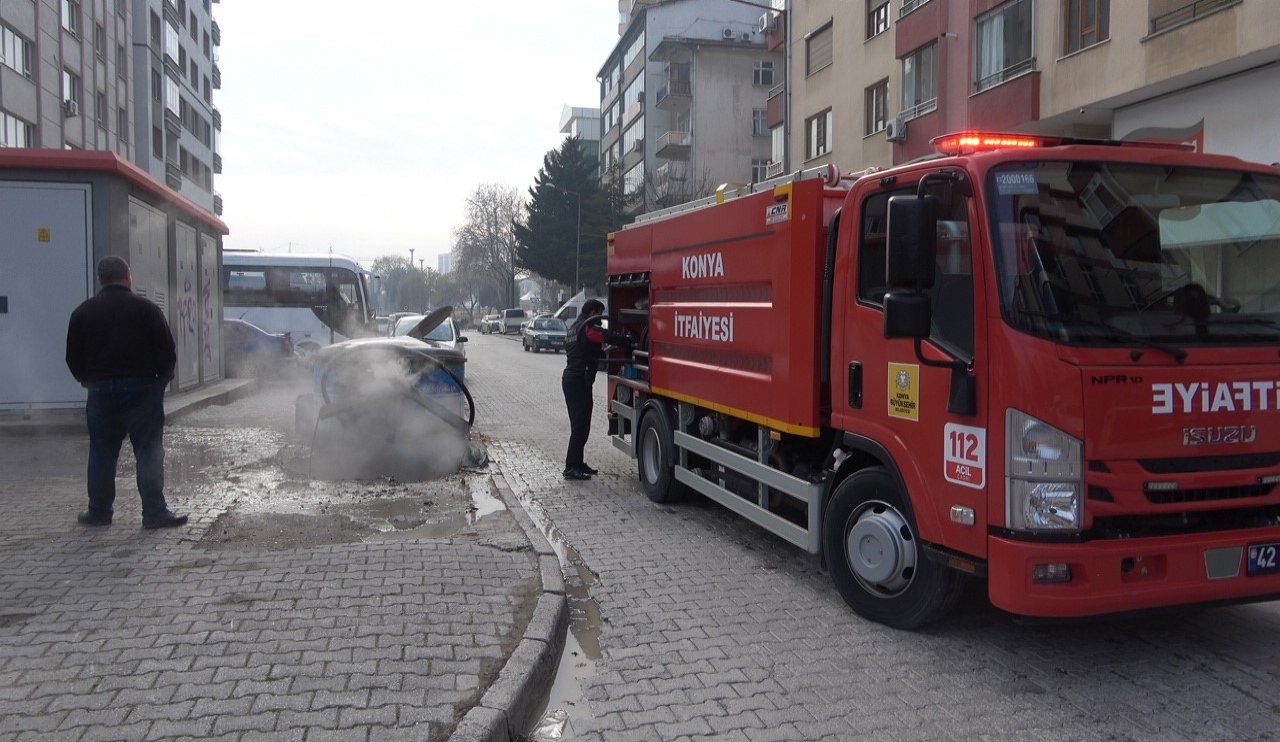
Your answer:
<point x="380" y="420"/>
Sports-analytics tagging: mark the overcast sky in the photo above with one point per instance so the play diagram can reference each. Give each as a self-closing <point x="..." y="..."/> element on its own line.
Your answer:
<point x="364" y="126"/>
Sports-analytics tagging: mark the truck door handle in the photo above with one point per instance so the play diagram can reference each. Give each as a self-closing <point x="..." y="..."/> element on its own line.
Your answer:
<point x="855" y="384"/>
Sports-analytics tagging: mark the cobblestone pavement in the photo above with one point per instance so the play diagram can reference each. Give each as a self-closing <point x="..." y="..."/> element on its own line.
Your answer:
<point x="286" y="610"/>
<point x="714" y="629"/>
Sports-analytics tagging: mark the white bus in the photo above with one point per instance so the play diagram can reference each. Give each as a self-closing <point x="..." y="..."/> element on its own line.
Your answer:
<point x="318" y="299"/>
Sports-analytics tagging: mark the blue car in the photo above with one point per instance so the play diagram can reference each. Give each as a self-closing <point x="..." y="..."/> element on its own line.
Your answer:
<point x="249" y="351"/>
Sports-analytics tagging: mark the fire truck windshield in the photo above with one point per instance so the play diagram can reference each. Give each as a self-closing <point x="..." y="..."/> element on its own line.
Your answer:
<point x="1122" y="254"/>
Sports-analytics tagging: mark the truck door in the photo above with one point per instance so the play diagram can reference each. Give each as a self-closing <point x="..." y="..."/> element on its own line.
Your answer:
<point x="902" y="403"/>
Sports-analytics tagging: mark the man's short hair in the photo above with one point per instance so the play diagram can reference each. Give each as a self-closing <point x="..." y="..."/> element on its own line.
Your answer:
<point x="593" y="306"/>
<point x="112" y="269"/>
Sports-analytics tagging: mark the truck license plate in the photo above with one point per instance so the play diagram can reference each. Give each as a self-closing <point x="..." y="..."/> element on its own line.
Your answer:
<point x="1264" y="559"/>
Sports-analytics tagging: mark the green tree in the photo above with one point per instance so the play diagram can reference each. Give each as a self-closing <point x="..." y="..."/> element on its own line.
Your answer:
<point x="392" y="269"/>
<point x="567" y="219"/>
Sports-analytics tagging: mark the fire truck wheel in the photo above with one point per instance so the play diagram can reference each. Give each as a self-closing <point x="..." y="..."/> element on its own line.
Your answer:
<point x="656" y="456"/>
<point x="876" y="559"/>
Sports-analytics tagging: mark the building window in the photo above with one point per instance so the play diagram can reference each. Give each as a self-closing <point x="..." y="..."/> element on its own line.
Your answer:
<point x="633" y="137"/>
<point x="633" y="51"/>
<point x="205" y="44"/>
<point x="910" y="6"/>
<point x="100" y="41"/>
<point x="759" y="170"/>
<point x="633" y="95"/>
<point x="876" y="103"/>
<point x="1004" y="44"/>
<point x="208" y="97"/>
<point x="70" y="87"/>
<point x="877" y="17"/>
<point x="817" y="50"/>
<point x="633" y="182"/>
<point x="155" y="86"/>
<point x="1088" y="22"/>
<point x="817" y="135"/>
<point x="172" y="48"/>
<point x="919" y="81"/>
<point x="763" y="74"/>
<point x="122" y="61"/>
<point x="760" y="122"/>
<point x="100" y="108"/>
<point x="14" y="132"/>
<point x="120" y="7"/>
<point x="122" y="123"/>
<point x="172" y="95"/>
<point x="71" y="16"/>
<point x="15" y="51"/>
<point x="195" y="75"/>
<point x="155" y="30"/>
<point x="194" y="27"/>
<point x="157" y="142"/>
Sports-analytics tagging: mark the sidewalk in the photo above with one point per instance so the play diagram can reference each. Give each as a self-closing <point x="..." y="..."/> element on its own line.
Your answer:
<point x="176" y="406"/>
<point x="264" y="619"/>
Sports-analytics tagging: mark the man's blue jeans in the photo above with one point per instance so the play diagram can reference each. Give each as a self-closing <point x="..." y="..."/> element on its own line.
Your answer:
<point x="116" y="408"/>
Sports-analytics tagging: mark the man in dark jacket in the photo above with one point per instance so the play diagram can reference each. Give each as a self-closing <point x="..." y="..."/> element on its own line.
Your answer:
<point x="583" y="350"/>
<point x="119" y="347"/>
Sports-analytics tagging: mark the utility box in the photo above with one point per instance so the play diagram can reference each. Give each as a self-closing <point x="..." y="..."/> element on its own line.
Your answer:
<point x="62" y="211"/>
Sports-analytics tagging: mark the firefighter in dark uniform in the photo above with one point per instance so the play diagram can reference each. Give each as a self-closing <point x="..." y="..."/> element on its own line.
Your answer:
<point x="119" y="347"/>
<point x="583" y="350"/>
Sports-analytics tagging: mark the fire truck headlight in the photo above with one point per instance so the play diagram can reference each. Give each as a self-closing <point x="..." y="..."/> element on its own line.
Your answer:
<point x="1044" y="480"/>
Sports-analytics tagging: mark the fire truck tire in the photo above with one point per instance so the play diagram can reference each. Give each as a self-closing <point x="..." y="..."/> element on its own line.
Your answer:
<point x="655" y="455"/>
<point x="875" y="557"/>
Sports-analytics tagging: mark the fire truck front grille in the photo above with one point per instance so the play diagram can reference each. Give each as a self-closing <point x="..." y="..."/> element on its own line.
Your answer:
<point x="1208" y="494"/>
<point x="1210" y="463"/>
<point x="1170" y="524"/>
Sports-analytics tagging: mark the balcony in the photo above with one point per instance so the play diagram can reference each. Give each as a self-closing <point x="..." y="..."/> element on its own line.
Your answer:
<point x="216" y="33"/>
<point x="173" y="174"/>
<point x="776" y="112"/>
<point x="217" y="78"/>
<point x="217" y="204"/>
<point x="172" y="122"/>
<point x="670" y="176"/>
<point x="776" y="31"/>
<point x="675" y="95"/>
<point x="674" y="145"/>
<point x="1187" y="13"/>
<point x="773" y="169"/>
<point x="217" y="163"/>
<point x="217" y="119"/>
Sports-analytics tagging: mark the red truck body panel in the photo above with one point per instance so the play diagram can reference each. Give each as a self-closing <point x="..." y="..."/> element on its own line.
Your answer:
<point x="735" y="293"/>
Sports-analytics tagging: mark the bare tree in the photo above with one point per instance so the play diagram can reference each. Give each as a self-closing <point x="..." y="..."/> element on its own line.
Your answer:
<point x="486" y="243"/>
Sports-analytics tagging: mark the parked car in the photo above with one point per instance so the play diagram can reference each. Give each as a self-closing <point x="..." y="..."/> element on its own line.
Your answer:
<point x="249" y="351"/>
<point x="511" y="319"/>
<point x="530" y="320"/>
<point x="445" y="334"/>
<point x="490" y="324"/>
<point x="544" y="333"/>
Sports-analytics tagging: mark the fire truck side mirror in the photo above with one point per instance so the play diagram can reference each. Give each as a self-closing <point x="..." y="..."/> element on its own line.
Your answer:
<point x="907" y="314"/>
<point x="912" y="242"/>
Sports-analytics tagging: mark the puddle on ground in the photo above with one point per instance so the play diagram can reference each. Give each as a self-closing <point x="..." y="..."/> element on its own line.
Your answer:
<point x="582" y="643"/>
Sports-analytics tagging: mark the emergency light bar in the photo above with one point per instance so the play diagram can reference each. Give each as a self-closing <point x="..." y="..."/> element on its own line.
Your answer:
<point x="969" y="142"/>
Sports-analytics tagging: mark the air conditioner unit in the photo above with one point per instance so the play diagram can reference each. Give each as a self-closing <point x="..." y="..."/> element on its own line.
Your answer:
<point x="728" y="33"/>
<point x="896" y="130"/>
<point x="745" y="36"/>
<point x="768" y="22"/>
<point x="70" y="109"/>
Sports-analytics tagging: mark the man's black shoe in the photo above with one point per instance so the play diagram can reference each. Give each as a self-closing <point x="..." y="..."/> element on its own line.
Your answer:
<point x="89" y="519"/>
<point x="589" y="470"/>
<point x="165" y="520"/>
<point x="577" y="474"/>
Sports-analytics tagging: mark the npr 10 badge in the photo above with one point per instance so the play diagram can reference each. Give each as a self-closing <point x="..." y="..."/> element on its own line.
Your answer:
<point x="964" y="459"/>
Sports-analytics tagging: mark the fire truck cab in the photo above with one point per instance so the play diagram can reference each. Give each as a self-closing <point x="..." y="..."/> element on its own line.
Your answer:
<point x="1050" y="365"/>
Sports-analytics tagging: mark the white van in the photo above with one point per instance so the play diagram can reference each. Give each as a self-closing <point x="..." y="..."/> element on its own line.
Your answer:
<point x="570" y="309"/>
<point x="512" y="319"/>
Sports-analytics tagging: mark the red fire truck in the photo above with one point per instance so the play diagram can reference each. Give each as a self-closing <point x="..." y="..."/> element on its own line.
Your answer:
<point x="1049" y="364"/>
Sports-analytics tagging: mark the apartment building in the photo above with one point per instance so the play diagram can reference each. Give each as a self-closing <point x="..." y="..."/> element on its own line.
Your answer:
<point x="65" y="75"/>
<point x="871" y="82"/>
<point x="175" y="67"/>
<point x="584" y="123"/>
<point x="683" y="99"/>
<point x="133" y="77"/>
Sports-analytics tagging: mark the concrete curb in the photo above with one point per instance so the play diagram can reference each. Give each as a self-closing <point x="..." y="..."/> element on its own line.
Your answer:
<point x="508" y="709"/>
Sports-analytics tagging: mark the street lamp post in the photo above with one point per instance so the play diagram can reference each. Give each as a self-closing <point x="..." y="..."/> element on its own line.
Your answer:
<point x="577" y="241"/>
<point x="411" y="258"/>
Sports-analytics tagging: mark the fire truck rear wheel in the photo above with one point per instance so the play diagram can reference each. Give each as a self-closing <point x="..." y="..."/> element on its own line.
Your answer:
<point x="875" y="556"/>
<point x="655" y="453"/>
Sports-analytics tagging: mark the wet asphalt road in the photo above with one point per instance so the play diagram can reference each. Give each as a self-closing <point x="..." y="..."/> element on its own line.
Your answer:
<point x="708" y="627"/>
